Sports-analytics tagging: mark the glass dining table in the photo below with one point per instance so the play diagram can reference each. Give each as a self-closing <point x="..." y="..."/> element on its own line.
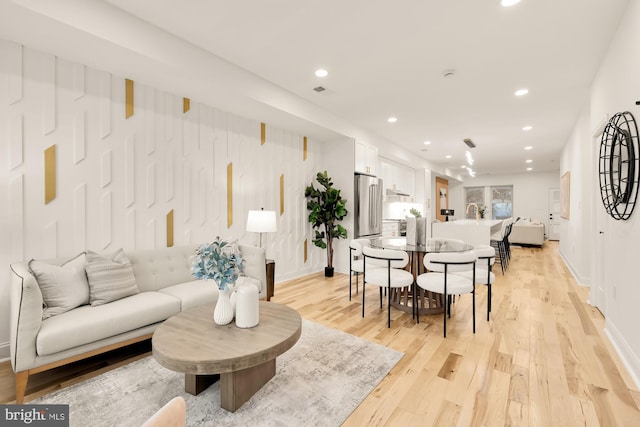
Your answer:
<point x="402" y="298"/>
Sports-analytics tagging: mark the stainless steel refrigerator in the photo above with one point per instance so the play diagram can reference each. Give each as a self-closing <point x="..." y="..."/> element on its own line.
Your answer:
<point x="368" y="205"/>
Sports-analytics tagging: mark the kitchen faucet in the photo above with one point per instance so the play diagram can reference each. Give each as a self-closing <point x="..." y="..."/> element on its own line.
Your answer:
<point x="477" y="212"/>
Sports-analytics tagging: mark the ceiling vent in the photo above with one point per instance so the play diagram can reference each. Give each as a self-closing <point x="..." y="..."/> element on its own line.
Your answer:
<point x="469" y="143"/>
<point x="319" y="89"/>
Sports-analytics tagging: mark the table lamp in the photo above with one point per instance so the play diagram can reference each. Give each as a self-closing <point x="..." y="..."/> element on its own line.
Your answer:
<point x="262" y="222"/>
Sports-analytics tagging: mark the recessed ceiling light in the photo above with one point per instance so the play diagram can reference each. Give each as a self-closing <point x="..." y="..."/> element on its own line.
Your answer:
<point x="522" y="92"/>
<point x="463" y="166"/>
<point x="427" y="142"/>
<point x="507" y="3"/>
<point x="448" y="156"/>
<point x="322" y="73"/>
<point x="392" y="119"/>
<point x="528" y="147"/>
<point x="526" y="128"/>
<point x="528" y="161"/>
<point x="529" y="169"/>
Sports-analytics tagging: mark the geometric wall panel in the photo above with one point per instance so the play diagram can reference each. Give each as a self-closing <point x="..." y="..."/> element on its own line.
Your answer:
<point x="168" y="119"/>
<point x="15" y="141"/>
<point x="130" y="229"/>
<point x="151" y="185"/>
<point x="105" y="169"/>
<point x="79" y="139"/>
<point x="151" y="233"/>
<point x="202" y="197"/>
<point x="186" y="191"/>
<point x="49" y="238"/>
<point x="14" y="71"/>
<point x="150" y="120"/>
<point x="229" y="195"/>
<point x="105" y="219"/>
<point x="105" y="104"/>
<point x="80" y="218"/>
<point x="129" y="171"/>
<point x="16" y="218"/>
<point x="168" y="176"/>
<point x="78" y="83"/>
<point x="49" y="94"/>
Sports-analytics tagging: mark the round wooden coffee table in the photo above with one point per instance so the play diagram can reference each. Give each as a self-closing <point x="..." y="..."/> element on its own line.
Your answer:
<point x="243" y="359"/>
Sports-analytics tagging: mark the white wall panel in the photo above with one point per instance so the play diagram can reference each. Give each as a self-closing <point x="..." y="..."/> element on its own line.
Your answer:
<point x="80" y="218"/>
<point x="15" y="139"/>
<point x="79" y="136"/>
<point x="49" y="237"/>
<point x="48" y="95"/>
<point x="129" y="171"/>
<point x="13" y="61"/>
<point x="105" y="104"/>
<point x="151" y="185"/>
<point x="78" y="85"/>
<point x="150" y="125"/>
<point x="16" y="219"/>
<point x="130" y="229"/>
<point x="118" y="178"/>
<point x="105" y="169"/>
<point x="105" y="219"/>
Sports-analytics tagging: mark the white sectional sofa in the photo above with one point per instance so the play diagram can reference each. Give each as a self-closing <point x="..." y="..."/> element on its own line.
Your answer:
<point x="526" y="231"/>
<point x="165" y="287"/>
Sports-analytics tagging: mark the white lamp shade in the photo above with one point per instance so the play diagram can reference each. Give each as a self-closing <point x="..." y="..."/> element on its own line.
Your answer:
<point x="262" y="222"/>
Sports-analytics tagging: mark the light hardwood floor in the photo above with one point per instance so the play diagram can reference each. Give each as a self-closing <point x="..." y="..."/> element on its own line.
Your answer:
<point x="542" y="360"/>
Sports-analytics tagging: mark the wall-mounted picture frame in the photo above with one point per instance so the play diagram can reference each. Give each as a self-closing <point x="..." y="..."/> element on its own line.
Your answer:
<point x="565" y="195"/>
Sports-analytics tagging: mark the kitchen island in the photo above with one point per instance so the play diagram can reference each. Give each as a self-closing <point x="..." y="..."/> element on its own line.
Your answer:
<point x="468" y="230"/>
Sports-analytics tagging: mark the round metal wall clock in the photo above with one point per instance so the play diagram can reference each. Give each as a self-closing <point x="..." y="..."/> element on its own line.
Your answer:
<point x="619" y="166"/>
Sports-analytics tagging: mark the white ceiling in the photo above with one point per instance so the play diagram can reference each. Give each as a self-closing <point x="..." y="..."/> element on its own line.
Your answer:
<point x="387" y="59"/>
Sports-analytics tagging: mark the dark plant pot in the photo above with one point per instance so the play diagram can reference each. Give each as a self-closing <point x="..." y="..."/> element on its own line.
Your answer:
<point x="328" y="272"/>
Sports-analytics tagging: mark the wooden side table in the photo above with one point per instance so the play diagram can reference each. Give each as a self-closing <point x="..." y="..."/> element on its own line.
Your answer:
<point x="271" y="274"/>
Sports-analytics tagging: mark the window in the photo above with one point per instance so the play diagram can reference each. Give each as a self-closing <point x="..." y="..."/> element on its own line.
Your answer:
<point x="502" y="201"/>
<point x="473" y="195"/>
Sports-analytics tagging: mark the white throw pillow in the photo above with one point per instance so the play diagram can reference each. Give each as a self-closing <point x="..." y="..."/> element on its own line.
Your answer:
<point x="64" y="287"/>
<point x="110" y="278"/>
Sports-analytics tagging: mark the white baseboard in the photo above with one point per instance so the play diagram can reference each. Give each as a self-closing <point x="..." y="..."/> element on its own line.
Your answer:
<point x="572" y="270"/>
<point x="628" y="357"/>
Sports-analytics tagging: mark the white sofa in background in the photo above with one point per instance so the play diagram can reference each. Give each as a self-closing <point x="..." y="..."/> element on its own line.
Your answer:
<point x="527" y="232"/>
<point x="165" y="287"/>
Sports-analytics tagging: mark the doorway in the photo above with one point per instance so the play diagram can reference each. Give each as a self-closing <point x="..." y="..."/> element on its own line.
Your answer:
<point x="599" y="285"/>
<point x="553" y="226"/>
<point x="442" y="197"/>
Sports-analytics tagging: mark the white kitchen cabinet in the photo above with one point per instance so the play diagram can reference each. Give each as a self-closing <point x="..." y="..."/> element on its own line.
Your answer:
<point x="398" y="177"/>
<point x="366" y="158"/>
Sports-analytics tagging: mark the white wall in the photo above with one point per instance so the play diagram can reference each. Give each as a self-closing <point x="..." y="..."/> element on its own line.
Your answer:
<point x="530" y="193"/>
<point x="616" y="88"/>
<point x="577" y="159"/>
<point x="118" y="178"/>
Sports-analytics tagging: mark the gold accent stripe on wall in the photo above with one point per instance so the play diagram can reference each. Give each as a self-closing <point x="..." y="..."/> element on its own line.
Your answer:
<point x="305" y="250"/>
<point x="281" y="194"/>
<point x="128" y="98"/>
<point x="263" y="133"/>
<point x="229" y="195"/>
<point x="186" y="104"/>
<point x="49" y="174"/>
<point x="304" y="149"/>
<point x="170" y="229"/>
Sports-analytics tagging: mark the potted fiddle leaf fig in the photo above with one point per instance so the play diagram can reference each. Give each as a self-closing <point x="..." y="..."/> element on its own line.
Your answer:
<point x="327" y="208"/>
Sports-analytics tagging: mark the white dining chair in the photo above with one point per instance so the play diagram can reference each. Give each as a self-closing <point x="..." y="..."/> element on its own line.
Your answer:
<point x="356" y="262"/>
<point x="441" y="279"/>
<point x="485" y="258"/>
<point x="390" y="276"/>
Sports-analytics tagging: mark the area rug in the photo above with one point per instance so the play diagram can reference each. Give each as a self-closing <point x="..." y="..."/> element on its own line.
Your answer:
<point x="318" y="382"/>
